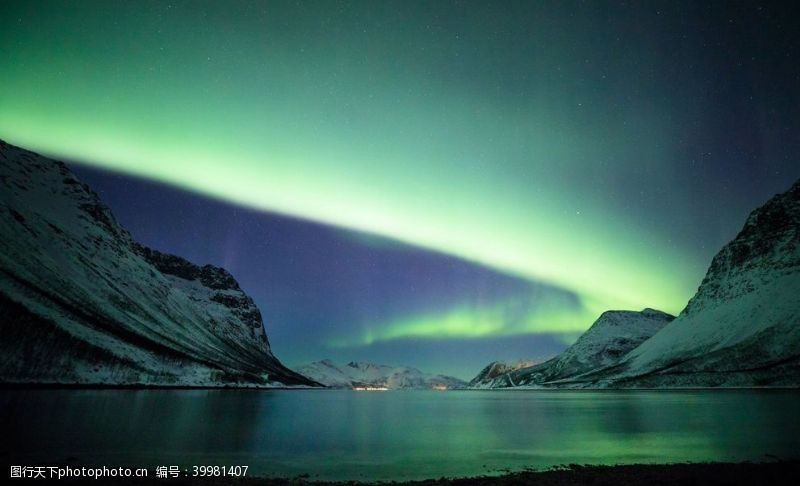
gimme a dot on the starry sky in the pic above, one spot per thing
(436, 184)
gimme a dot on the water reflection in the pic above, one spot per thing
(393, 435)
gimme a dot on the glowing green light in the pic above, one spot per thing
(516, 187)
(501, 319)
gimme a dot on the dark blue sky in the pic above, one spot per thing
(317, 284)
(607, 148)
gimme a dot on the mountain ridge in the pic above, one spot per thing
(607, 340)
(741, 327)
(365, 374)
(744, 318)
(86, 304)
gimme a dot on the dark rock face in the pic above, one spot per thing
(82, 303)
(216, 278)
(495, 374)
(768, 246)
(490, 372)
(210, 276)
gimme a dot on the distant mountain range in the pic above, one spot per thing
(742, 327)
(82, 303)
(370, 375)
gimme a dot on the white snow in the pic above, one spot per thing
(608, 340)
(358, 373)
(65, 259)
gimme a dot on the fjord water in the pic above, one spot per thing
(394, 435)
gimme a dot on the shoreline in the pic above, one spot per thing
(775, 472)
(121, 386)
(104, 386)
(81, 386)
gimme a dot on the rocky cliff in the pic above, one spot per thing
(613, 335)
(742, 327)
(82, 303)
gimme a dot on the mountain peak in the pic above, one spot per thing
(613, 335)
(359, 374)
(742, 327)
(100, 308)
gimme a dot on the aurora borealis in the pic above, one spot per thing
(531, 163)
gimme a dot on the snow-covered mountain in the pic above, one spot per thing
(742, 327)
(495, 369)
(360, 374)
(610, 338)
(82, 303)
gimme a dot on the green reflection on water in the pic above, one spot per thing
(394, 435)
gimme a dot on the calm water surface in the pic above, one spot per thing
(393, 435)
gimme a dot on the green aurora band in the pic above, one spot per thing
(501, 319)
(384, 129)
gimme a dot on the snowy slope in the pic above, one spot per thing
(81, 302)
(610, 338)
(368, 374)
(742, 327)
(495, 369)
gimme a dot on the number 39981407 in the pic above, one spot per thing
(214, 471)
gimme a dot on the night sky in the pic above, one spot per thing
(435, 184)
